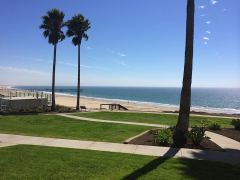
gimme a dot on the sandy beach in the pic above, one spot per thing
(94, 104)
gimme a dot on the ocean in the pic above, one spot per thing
(220, 100)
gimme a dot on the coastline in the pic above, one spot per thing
(93, 104)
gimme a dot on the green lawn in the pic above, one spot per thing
(61, 127)
(151, 118)
(36, 162)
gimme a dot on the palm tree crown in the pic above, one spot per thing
(52, 25)
(77, 28)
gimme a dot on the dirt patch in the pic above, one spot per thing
(229, 132)
(147, 139)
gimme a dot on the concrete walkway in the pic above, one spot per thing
(229, 156)
(222, 141)
(109, 121)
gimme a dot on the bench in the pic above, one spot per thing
(83, 108)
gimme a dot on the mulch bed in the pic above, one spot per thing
(229, 132)
(147, 139)
(208, 114)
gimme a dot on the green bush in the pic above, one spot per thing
(214, 126)
(64, 109)
(236, 123)
(196, 134)
(172, 128)
(205, 122)
(162, 136)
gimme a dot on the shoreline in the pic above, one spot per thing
(136, 106)
(93, 103)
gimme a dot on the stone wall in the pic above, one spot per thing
(24, 104)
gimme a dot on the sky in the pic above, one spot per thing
(131, 43)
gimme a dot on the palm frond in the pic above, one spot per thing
(52, 24)
(70, 33)
(46, 33)
(76, 40)
(85, 36)
(77, 28)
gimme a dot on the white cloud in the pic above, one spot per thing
(38, 59)
(213, 2)
(81, 65)
(206, 38)
(224, 10)
(93, 67)
(208, 32)
(122, 55)
(208, 22)
(206, 43)
(23, 76)
(88, 48)
(30, 59)
(22, 70)
(67, 64)
(122, 63)
(201, 7)
(116, 53)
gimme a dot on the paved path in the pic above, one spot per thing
(229, 157)
(222, 141)
(6, 144)
(109, 121)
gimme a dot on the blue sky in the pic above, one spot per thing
(131, 43)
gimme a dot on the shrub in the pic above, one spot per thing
(214, 126)
(236, 123)
(162, 136)
(64, 109)
(196, 134)
(204, 123)
(172, 128)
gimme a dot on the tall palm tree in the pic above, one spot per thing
(52, 24)
(77, 28)
(185, 102)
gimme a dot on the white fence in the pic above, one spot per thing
(6, 92)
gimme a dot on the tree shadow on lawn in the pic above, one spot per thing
(152, 165)
(214, 168)
(198, 169)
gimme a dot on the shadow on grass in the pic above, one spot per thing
(152, 165)
(220, 165)
(231, 156)
(19, 113)
(199, 169)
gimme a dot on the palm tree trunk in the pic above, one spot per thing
(78, 85)
(53, 108)
(185, 102)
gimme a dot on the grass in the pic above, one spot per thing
(36, 162)
(166, 119)
(61, 127)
